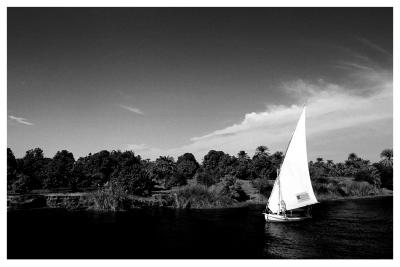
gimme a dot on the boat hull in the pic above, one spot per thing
(280, 218)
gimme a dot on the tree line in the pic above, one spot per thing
(141, 176)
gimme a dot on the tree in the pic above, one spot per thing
(187, 166)
(79, 177)
(99, 167)
(135, 180)
(124, 161)
(60, 170)
(34, 165)
(11, 168)
(369, 174)
(243, 155)
(316, 170)
(218, 164)
(164, 171)
(262, 150)
(387, 157)
(232, 188)
(23, 184)
(243, 167)
(204, 177)
(385, 168)
(263, 186)
(354, 163)
(262, 164)
(276, 160)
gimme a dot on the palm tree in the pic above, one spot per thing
(242, 155)
(387, 155)
(352, 157)
(262, 150)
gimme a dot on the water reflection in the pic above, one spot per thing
(289, 240)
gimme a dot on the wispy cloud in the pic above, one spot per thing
(20, 120)
(340, 114)
(132, 109)
(374, 46)
(353, 66)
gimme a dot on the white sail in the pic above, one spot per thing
(293, 186)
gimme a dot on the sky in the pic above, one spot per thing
(166, 81)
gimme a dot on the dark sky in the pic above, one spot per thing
(152, 79)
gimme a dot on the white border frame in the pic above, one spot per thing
(184, 263)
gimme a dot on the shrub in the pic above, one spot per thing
(204, 177)
(199, 196)
(361, 189)
(111, 197)
(263, 185)
(175, 180)
(333, 188)
(369, 174)
(22, 185)
(232, 188)
(135, 181)
(386, 174)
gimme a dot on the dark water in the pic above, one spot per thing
(339, 229)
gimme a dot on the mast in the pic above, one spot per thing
(279, 190)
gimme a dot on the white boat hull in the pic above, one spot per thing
(281, 218)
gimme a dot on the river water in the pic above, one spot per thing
(350, 229)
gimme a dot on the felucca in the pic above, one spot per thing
(292, 195)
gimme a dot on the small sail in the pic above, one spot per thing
(294, 183)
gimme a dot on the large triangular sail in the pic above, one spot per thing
(292, 188)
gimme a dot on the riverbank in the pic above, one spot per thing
(383, 193)
(85, 201)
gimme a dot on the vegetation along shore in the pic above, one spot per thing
(113, 181)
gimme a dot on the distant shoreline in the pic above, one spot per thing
(387, 193)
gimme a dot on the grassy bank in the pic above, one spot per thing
(192, 196)
(199, 196)
(345, 188)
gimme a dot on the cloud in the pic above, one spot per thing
(341, 118)
(374, 46)
(330, 107)
(132, 109)
(20, 120)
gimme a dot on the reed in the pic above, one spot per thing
(331, 188)
(110, 198)
(200, 196)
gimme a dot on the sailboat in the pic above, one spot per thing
(292, 195)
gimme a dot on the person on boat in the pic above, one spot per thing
(283, 208)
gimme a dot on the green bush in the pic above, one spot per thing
(263, 185)
(200, 196)
(205, 177)
(111, 197)
(334, 188)
(135, 181)
(386, 174)
(369, 174)
(232, 188)
(22, 185)
(361, 189)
